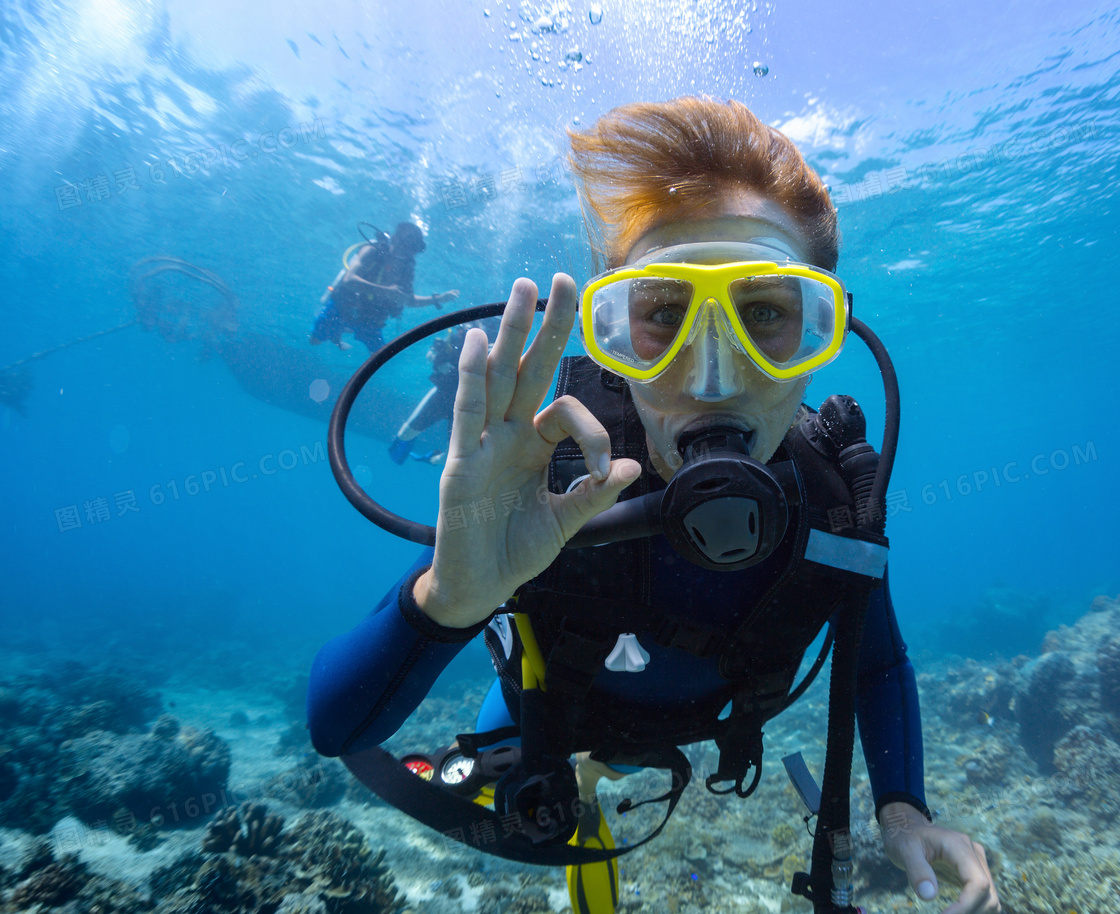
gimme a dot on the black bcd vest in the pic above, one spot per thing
(588, 597)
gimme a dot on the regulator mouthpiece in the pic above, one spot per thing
(723, 510)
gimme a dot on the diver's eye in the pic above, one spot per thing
(659, 303)
(762, 314)
(666, 317)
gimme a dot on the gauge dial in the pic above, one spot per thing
(420, 766)
(456, 769)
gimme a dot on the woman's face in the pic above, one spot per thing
(697, 390)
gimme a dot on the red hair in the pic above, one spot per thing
(647, 164)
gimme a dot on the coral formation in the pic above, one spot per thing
(50, 886)
(1043, 706)
(150, 776)
(522, 899)
(38, 714)
(1088, 763)
(248, 829)
(976, 693)
(166, 727)
(322, 864)
(987, 765)
(314, 784)
(1108, 665)
(66, 884)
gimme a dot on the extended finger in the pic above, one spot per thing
(502, 365)
(539, 364)
(469, 417)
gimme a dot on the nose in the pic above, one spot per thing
(717, 367)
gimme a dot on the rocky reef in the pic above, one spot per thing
(76, 742)
(321, 864)
(1024, 756)
(248, 863)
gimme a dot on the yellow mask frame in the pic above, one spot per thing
(712, 282)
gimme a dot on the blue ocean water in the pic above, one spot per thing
(168, 505)
(971, 154)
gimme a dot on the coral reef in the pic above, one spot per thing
(525, 898)
(50, 886)
(247, 830)
(38, 714)
(1045, 705)
(331, 847)
(1088, 763)
(322, 864)
(314, 784)
(66, 885)
(1108, 665)
(975, 693)
(1047, 819)
(149, 776)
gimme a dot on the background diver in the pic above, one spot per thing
(374, 285)
(718, 304)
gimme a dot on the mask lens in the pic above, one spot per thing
(790, 319)
(637, 320)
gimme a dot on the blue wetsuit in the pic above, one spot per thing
(364, 684)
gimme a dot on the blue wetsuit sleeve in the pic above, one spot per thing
(364, 684)
(890, 721)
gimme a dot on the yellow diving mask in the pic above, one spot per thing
(788, 318)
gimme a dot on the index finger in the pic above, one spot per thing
(538, 365)
(503, 363)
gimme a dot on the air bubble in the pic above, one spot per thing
(760, 69)
(595, 14)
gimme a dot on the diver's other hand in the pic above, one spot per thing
(498, 525)
(917, 847)
(441, 298)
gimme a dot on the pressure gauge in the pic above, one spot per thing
(419, 765)
(456, 771)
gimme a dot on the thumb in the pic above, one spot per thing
(921, 876)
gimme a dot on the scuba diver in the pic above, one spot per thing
(680, 448)
(372, 287)
(438, 402)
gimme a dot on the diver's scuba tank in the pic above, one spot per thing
(334, 284)
(381, 241)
